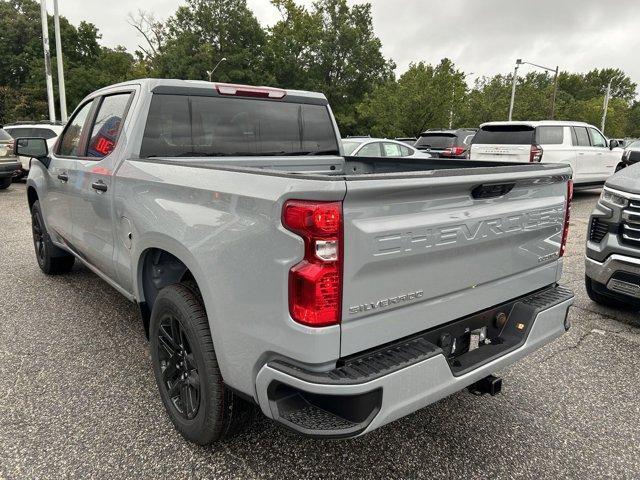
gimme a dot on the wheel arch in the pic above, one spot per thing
(32, 196)
(159, 264)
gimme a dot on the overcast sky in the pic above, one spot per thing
(483, 37)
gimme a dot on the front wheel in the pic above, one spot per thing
(4, 183)
(51, 259)
(186, 369)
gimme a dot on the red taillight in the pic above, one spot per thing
(249, 91)
(453, 152)
(567, 214)
(536, 153)
(315, 284)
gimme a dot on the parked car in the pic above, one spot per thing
(446, 143)
(407, 140)
(379, 147)
(612, 272)
(9, 165)
(336, 293)
(46, 130)
(631, 155)
(592, 157)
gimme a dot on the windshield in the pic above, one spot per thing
(505, 135)
(436, 140)
(198, 126)
(4, 135)
(349, 147)
(634, 145)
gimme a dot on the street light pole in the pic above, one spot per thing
(210, 72)
(47, 60)
(605, 107)
(555, 94)
(513, 88)
(555, 85)
(61, 89)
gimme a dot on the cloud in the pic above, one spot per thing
(484, 37)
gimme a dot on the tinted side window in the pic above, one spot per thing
(70, 143)
(550, 135)
(107, 125)
(582, 136)
(214, 126)
(370, 150)
(598, 139)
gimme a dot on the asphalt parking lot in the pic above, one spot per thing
(78, 398)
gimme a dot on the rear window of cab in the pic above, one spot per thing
(201, 126)
(520, 135)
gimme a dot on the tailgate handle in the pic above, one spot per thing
(492, 190)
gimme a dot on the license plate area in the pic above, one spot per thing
(470, 342)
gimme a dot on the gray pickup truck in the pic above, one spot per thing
(336, 293)
(612, 270)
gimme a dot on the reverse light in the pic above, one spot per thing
(249, 91)
(567, 214)
(315, 284)
(536, 153)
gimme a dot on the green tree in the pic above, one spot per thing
(423, 97)
(88, 65)
(330, 48)
(202, 32)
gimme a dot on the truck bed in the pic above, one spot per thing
(349, 168)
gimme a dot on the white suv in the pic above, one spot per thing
(592, 157)
(46, 130)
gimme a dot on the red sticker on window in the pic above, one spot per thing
(103, 146)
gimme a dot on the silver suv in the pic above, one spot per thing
(612, 272)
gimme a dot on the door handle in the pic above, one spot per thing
(580, 153)
(99, 186)
(63, 177)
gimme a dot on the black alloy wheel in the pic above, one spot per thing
(38, 238)
(179, 368)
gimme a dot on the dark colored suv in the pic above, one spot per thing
(9, 165)
(446, 143)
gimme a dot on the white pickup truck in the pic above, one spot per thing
(336, 293)
(591, 156)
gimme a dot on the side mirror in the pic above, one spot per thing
(613, 144)
(32, 147)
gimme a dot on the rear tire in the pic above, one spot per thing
(603, 299)
(51, 259)
(199, 404)
(4, 183)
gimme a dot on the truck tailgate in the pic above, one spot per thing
(423, 251)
